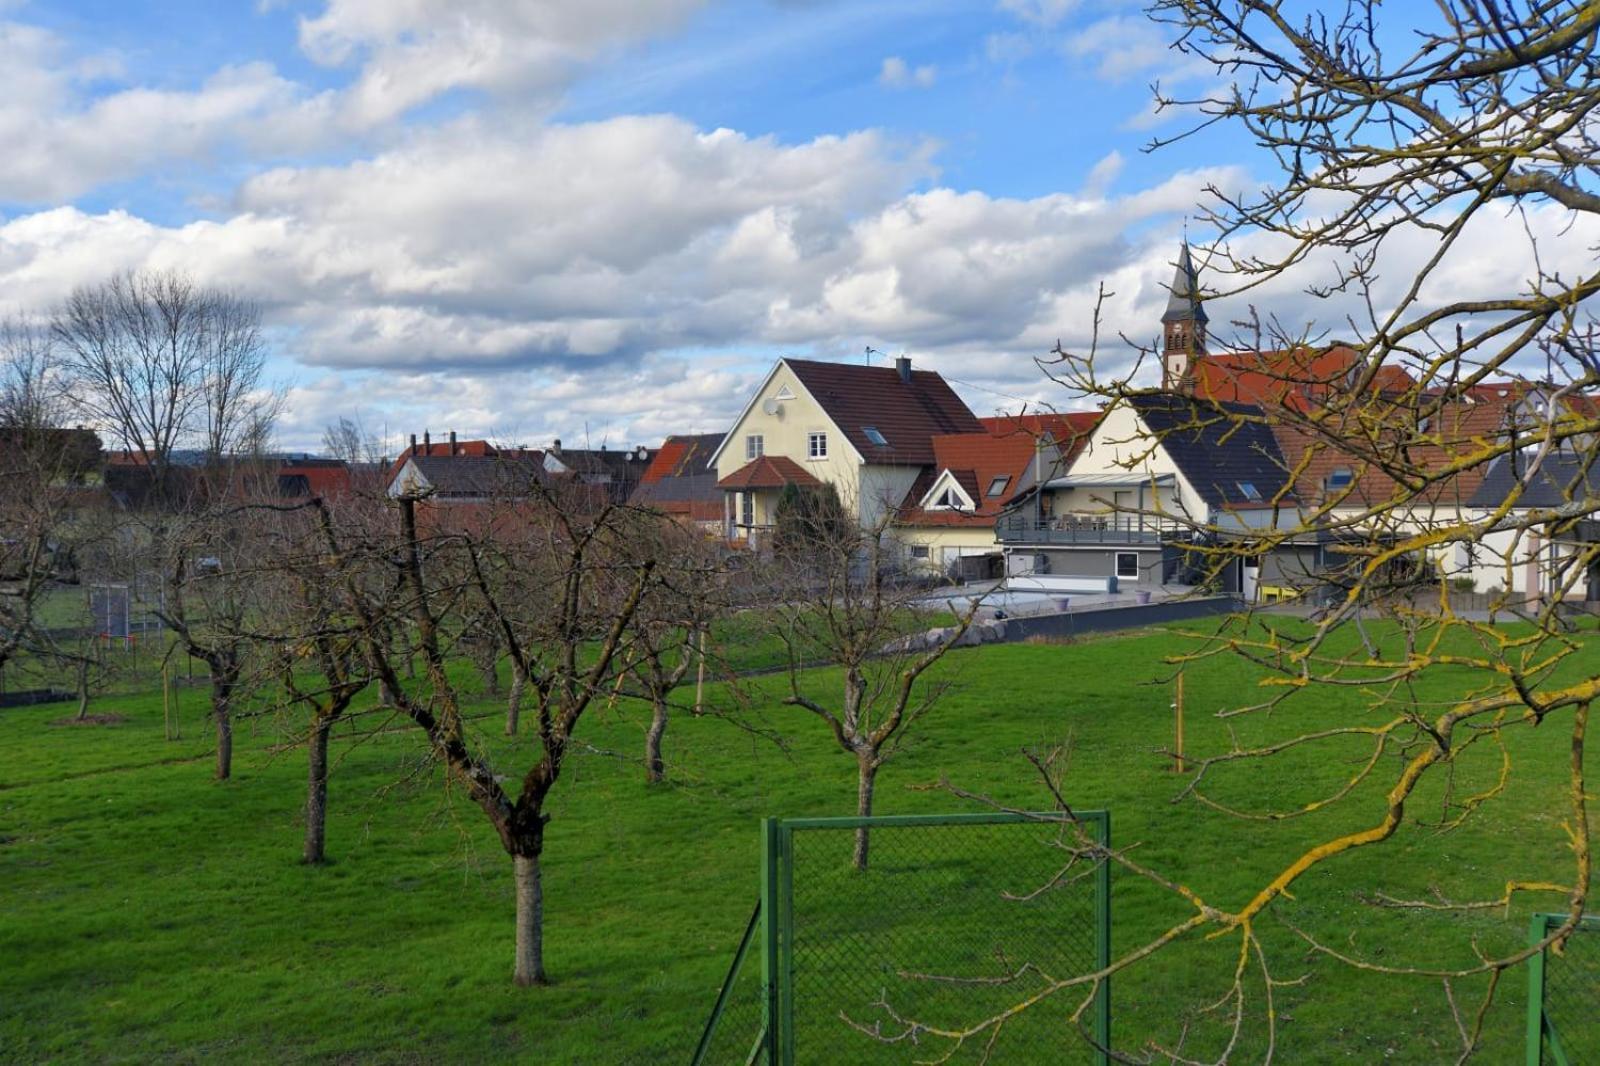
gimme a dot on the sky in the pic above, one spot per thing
(602, 220)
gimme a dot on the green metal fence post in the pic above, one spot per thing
(786, 945)
(1102, 893)
(770, 920)
(1536, 930)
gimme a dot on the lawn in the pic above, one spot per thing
(147, 911)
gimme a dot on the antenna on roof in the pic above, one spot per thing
(871, 351)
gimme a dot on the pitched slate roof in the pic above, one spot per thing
(1223, 449)
(768, 472)
(1183, 299)
(481, 476)
(907, 414)
(1564, 481)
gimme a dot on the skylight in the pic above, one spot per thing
(1249, 490)
(874, 436)
(998, 485)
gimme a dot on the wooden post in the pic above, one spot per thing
(1177, 710)
(700, 677)
(166, 702)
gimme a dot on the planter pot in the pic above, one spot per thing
(1143, 596)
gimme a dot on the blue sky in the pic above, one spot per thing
(536, 218)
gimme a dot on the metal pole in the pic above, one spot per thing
(769, 936)
(1535, 1050)
(1102, 892)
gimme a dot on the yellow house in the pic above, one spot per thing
(866, 430)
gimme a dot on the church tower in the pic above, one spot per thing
(1183, 326)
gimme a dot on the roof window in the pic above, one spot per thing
(1248, 490)
(998, 485)
(874, 436)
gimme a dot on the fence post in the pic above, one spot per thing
(1536, 930)
(785, 836)
(1102, 901)
(769, 936)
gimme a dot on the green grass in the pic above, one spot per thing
(149, 912)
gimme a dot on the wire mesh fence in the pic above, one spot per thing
(1564, 995)
(925, 953)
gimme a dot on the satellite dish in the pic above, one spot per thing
(771, 406)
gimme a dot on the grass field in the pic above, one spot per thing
(149, 912)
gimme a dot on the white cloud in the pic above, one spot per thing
(896, 73)
(62, 140)
(410, 51)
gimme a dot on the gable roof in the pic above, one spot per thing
(1223, 449)
(1565, 482)
(974, 461)
(768, 472)
(908, 414)
(479, 476)
(1293, 377)
(681, 456)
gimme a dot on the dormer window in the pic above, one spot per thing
(948, 500)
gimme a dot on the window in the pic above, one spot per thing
(1340, 477)
(919, 551)
(949, 500)
(817, 445)
(874, 436)
(1127, 564)
(998, 485)
(754, 446)
(747, 508)
(1248, 490)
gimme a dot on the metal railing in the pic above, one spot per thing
(1564, 994)
(1074, 528)
(955, 919)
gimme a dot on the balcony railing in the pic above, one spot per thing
(1114, 528)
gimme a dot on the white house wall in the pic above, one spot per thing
(1121, 445)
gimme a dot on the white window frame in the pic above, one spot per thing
(921, 552)
(747, 509)
(755, 446)
(814, 438)
(1117, 565)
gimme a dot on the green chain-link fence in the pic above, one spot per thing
(1564, 995)
(956, 921)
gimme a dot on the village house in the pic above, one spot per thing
(867, 431)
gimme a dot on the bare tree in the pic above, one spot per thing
(839, 601)
(565, 642)
(160, 361)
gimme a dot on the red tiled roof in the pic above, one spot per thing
(907, 414)
(768, 472)
(681, 456)
(1294, 377)
(1005, 448)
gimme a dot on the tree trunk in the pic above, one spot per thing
(316, 792)
(530, 921)
(866, 779)
(83, 688)
(519, 681)
(655, 769)
(489, 669)
(221, 697)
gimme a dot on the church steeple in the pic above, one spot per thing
(1183, 326)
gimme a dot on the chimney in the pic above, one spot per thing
(555, 446)
(413, 444)
(427, 445)
(902, 364)
(452, 442)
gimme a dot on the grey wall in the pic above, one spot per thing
(1102, 562)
